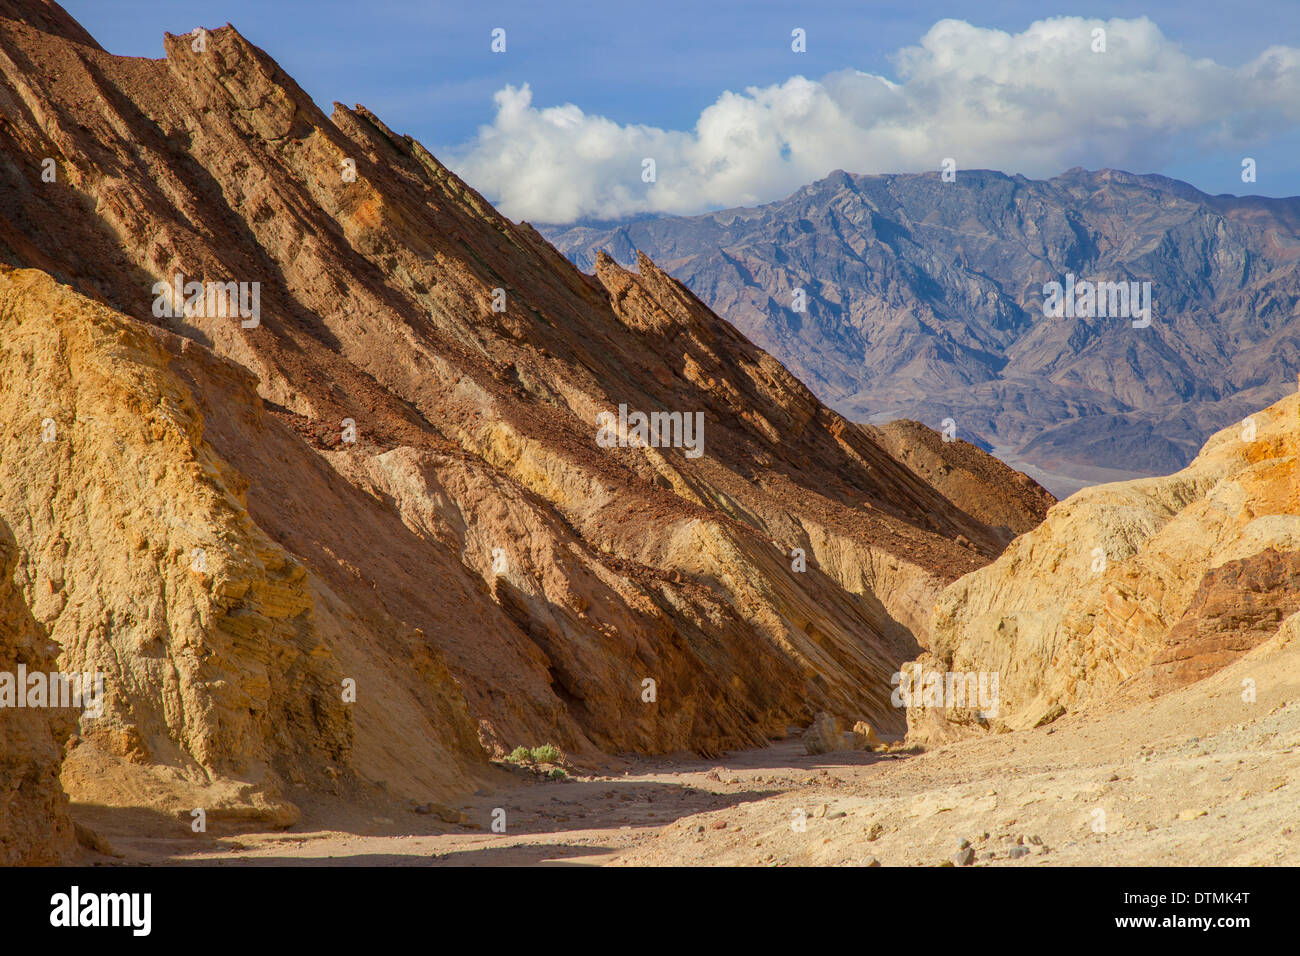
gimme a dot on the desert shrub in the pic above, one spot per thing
(547, 753)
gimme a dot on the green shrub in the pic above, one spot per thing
(547, 753)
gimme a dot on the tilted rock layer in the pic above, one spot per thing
(365, 535)
(1137, 587)
(998, 495)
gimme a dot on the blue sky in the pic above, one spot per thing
(427, 70)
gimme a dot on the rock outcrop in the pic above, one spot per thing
(980, 484)
(1135, 588)
(223, 656)
(35, 827)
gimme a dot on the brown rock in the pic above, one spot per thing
(866, 737)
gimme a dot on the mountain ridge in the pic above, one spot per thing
(924, 300)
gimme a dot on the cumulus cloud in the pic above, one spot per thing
(1035, 102)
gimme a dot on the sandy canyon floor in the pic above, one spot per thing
(1200, 776)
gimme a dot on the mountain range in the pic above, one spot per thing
(909, 296)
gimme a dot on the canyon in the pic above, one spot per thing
(342, 559)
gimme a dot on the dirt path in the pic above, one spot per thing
(1200, 776)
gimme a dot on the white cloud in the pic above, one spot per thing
(1035, 102)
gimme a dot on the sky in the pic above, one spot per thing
(559, 126)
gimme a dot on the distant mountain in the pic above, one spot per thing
(924, 300)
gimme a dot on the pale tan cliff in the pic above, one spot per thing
(223, 655)
(1133, 588)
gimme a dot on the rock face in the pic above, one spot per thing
(924, 301)
(223, 655)
(986, 488)
(35, 827)
(364, 531)
(1137, 587)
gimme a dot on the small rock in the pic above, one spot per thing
(445, 813)
(1055, 713)
(964, 858)
(92, 840)
(865, 736)
(824, 735)
(1018, 851)
(871, 861)
(963, 844)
